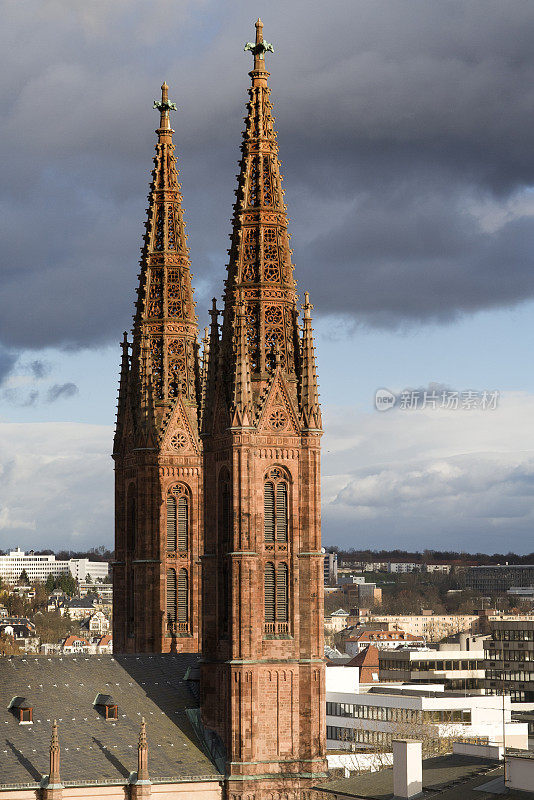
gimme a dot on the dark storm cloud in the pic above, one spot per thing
(406, 132)
(61, 391)
(7, 362)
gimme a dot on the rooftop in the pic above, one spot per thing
(452, 777)
(94, 749)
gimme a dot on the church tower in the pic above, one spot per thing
(262, 673)
(157, 449)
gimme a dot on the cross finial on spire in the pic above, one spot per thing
(164, 107)
(259, 48)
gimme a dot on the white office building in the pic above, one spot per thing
(363, 720)
(39, 567)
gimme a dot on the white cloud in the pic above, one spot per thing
(431, 479)
(56, 485)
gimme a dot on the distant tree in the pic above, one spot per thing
(66, 583)
(50, 584)
(8, 647)
(23, 579)
(88, 578)
(51, 627)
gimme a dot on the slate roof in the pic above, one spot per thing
(451, 777)
(93, 749)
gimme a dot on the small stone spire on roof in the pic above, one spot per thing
(142, 754)
(54, 777)
(309, 394)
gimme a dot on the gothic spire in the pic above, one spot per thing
(165, 317)
(142, 754)
(260, 267)
(309, 395)
(54, 777)
(242, 399)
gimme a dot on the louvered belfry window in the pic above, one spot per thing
(270, 592)
(171, 596)
(275, 507)
(268, 511)
(281, 512)
(177, 520)
(183, 596)
(183, 523)
(171, 524)
(281, 593)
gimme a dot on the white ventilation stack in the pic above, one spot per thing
(407, 768)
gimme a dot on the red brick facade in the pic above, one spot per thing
(157, 451)
(262, 676)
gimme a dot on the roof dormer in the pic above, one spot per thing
(21, 710)
(106, 706)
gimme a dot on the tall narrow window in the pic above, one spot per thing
(171, 524)
(183, 597)
(178, 514)
(224, 535)
(270, 593)
(275, 507)
(183, 523)
(268, 512)
(171, 597)
(281, 512)
(130, 603)
(130, 521)
(281, 593)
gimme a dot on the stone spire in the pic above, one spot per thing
(260, 269)
(142, 754)
(309, 395)
(242, 399)
(52, 788)
(211, 369)
(123, 390)
(54, 777)
(165, 320)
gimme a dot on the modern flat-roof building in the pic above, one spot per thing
(373, 719)
(39, 567)
(509, 659)
(384, 640)
(498, 578)
(456, 669)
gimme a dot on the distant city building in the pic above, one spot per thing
(455, 669)
(383, 640)
(39, 567)
(510, 659)
(361, 720)
(330, 569)
(433, 627)
(337, 620)
(368, 663)
(498, 578)
(78, 608)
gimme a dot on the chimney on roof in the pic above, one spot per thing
(407, 768)
(140, 781)
(52, 786)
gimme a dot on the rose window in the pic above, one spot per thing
(178, 441)
(278, 419)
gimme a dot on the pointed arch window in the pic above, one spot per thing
(276, 599)
(183, 599)
(171, 599)
(270, 593)
(178, 515)
(281, 593)
(130, 521)
(275, 507)
(224, 535)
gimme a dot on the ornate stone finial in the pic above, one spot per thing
(164, 107)
(307, 307)
(214, 311)
(54, 778)
(259, 48)
(142, 753)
